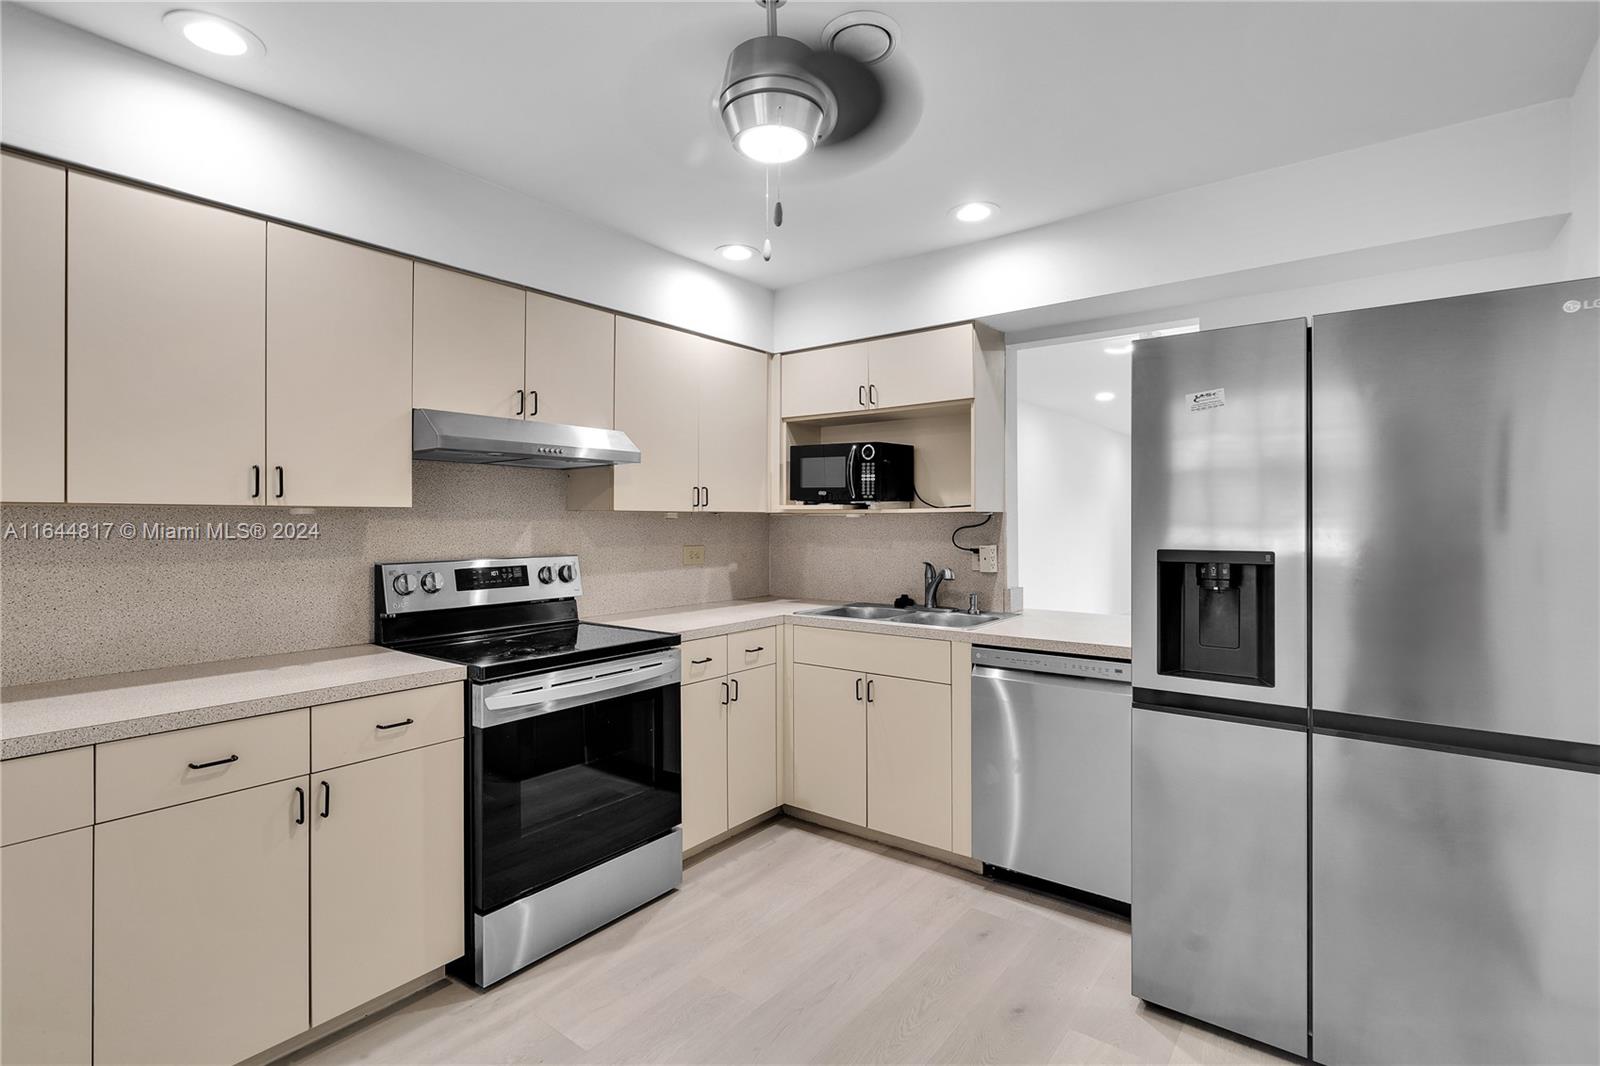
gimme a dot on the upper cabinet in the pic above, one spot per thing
(697, 409)
(933, 366)
(166, 349)
(467, 344)
(570, 362)
(338, 373)
(33, 338)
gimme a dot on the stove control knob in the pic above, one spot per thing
(567, 572)
(545, 576)
(430, 582)
(403, 585)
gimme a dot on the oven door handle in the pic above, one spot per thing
(512, 701)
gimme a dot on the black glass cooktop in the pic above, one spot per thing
(510, 653)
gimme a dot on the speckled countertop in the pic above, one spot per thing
(92, 710)
(1066, 632)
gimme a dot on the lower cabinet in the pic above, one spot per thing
(908, 759)
(830, 742)
(46, 923)
(386, 878)
(200, 928)
(730, 752)
(705, 760)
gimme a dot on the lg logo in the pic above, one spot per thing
(1580, 305)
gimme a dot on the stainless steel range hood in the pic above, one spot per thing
(454, 437)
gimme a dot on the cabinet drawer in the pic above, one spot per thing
(746, 651)
(146, 773)
(874, 653)
(366, 728)
(707, 657)
(44, 794)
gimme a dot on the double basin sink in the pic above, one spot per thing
(943, 617)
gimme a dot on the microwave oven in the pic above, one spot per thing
(867, 472)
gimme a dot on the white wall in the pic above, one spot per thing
(76, 97)
(1579, 245)
(1470, 190)
(1073, 513)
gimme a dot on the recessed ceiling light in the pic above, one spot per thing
(215, 35)
(976, 211)
(737, 253)
(1104, 397)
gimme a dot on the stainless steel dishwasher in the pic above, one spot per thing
(1051, 756)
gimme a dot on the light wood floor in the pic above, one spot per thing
(795, 944)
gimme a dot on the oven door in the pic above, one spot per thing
(570, 768)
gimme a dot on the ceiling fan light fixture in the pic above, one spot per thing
(774, 110)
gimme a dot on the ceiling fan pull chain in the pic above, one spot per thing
(766, 221)
(777, 208)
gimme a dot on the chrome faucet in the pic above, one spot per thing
(932, 578)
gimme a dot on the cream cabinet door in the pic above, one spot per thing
(467, 338)
(825, 381)
(570, 362)
(830, 742)
(387, 900)
(753, 744)
(46, 924)
(166, 326)
(658, 406)
(733, 427)
(908, 759)
(338, 373)
(200, 928)
(33, 334)
(705, 760)
(932, 366)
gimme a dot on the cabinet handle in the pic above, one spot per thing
(397, 725)
(872, 395)
(858, 690)
(724, 693)
(700, 662)
(300, 794)
(327, 798)
(705, 496)
(861, 395)
(213, 762)
(279, 469)
(521, 401)
(533, 394)
(735, 682)
(752, 651)
(255, 482)
(869, 690)
(694, 494)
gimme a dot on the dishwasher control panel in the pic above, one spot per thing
(1049, 663)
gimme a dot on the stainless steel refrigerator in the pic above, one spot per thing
(1448, 750)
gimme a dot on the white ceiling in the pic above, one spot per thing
(1049, 109)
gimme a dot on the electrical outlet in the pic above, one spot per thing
(988, 558)
(694, 555)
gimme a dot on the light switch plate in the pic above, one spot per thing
(694, 555)
(988, 558)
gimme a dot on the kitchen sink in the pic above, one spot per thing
(873, 611)
(946, 619)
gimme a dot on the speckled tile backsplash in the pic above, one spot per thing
(70, 608)
(877, 557)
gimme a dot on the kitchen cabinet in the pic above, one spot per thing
(570, 357)
(908, 759)
(46, 923)
(467, 344)
(705, 760)
(829, 740)
(338, 373)
(201, 928)
(697, 410)
(752, 744)
(386, 884)
(907, 370)
(166, 341)
(33, 336)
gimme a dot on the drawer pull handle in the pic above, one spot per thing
(300, 794)
(213, 762)
(752, 651)
(700, 662)
(327, 798)
(397, 725)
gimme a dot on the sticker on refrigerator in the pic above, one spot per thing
(1205, 401)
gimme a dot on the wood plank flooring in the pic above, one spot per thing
(796, 944)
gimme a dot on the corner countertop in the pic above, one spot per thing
(54, 715)
(1064, 632)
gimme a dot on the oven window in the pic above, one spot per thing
(823, 472)
(561, 792)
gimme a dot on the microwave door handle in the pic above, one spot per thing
(850, 487)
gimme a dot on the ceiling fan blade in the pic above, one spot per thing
(856, 89)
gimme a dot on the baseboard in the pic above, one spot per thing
(964, 862)
(334, 1026)
(728, 834)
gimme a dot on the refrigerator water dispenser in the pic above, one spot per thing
(1215, 615)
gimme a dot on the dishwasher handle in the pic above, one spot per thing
(1030, 677)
